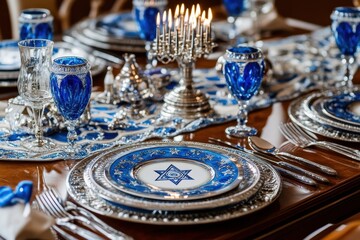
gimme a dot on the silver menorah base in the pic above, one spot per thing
(186, 103)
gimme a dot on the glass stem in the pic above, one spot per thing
(348, 61)
(242, 116)
(256, 28)
(72, 135)
(232, 31)
(38, 112)
(151, 60)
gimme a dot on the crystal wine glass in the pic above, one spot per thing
(71, 84)
(346, 30)
(33, 85)
(257, 8)
(234, 8)
(244, 70)
(145, 12)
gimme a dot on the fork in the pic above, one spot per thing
(47, 208)
(299, 137)
(85, 216)
(53, 200)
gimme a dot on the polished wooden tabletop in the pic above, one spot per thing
(299, 210)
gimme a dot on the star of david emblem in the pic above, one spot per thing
(173, 174)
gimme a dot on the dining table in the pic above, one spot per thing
(298, 211)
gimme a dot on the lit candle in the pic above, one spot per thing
(164, 27)
(210, 16)
(206, 25)
(186, 21)
(182, 11)
(198, 17)
(157, 32)
(191, 21)
(177, 22)
(202, 29)
(170, 27)
(193, 27)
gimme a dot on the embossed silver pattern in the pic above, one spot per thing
(266, 195)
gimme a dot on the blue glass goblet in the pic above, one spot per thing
(145, 12)
(71, 84)
(244, 70)
(36, 23)
(234, 8)
(346, 30)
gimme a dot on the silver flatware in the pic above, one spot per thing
(299, 137)
(264, 146)
(86, 217)
(278, 165)
(63, 222)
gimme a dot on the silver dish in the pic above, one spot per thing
(314, 108)
(298, 116)
(266, 195)
(95, 181)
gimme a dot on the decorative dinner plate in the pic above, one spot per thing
(314, 108)
(118, 25)
(344, 108)
(89, 199)
(179, 172)
(9, 55)
(251, 181)
(298, 116)
(10, 60)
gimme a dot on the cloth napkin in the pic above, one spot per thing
(17, 220)
(14, 225)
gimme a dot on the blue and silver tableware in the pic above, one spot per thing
(346, 30)
(36, 23)
(244, 70)
(71, 84)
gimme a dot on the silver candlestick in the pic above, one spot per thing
(186, 40)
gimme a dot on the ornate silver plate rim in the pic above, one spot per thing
(97, 183)
(223, 175)
(266, 195)
(298, 116)
(314, 109)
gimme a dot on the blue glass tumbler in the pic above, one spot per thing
(234, 9)
(145, 12)
(346, 30)
(71, 84)
(243, 70)
(36, 23)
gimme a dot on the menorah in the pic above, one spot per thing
(184, 37)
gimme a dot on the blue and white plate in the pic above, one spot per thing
(344, 107)
(251, 180)
(9, 56)
(118, 25)
(173, 172)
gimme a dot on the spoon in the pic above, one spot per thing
(264, 146)
(284, 168)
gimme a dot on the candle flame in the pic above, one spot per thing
(170, 19)
(198, 10)
(158, 19)
(210, 15)
(203, 16)
(177, 22)
(192, 10)
(192, 16)
(186, 19)
(194, 23)
(176, 11)
(182, 9)
(164, 17)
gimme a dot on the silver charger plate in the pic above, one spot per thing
(251, 181)
(314, 108)
(266, 195)
(298, 116)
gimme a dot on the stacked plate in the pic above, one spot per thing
(10, 60)
(116, 32)
(173, 183)
(333, 113)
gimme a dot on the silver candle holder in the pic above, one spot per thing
(184, 38)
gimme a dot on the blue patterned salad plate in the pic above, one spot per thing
(344, 107)
(178, 172)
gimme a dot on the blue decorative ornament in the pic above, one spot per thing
(22, 194)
